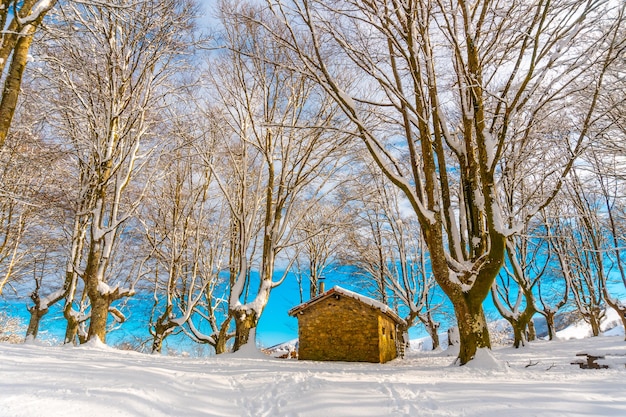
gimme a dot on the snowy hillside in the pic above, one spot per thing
(98, 381)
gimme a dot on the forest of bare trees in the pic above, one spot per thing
(200, 154)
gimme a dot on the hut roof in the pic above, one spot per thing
(336, 290)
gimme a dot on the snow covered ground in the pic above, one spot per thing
(98, 381)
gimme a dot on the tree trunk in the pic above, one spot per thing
(519, 333)
(98, 318)
(313, 290)
(532, 333)
(40, 308)
(435, 337)
(71, 331)
(245, 321)
(522, 327)
(73, 322)
(549, 315)
(35, 318)
(220, 345)
(432, 327)
(13, 82)
(157, 342)
(473, 331)
(99, 303)
(161, 331)
(222, 337)
(594, 320)
(162, 328)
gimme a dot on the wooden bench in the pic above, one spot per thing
(590, 362)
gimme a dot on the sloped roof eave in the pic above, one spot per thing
(384, 309)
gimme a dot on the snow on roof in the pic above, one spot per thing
(347, 293)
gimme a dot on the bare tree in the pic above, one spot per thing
(444, 88)
(322, 233)
(553, 288)
(30, 193)
(607, 163)
(275, 161)
(595, 256)
(108, 87)
(186, 226)
(580, 246)
(44, 266)
(612, 193)
(16, 179)
(513, 291)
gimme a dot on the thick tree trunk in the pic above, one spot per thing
(220, 346)
(435, 337)
(13, 81)
(162, 330)
(98, 318)
(41, 307)
(468, 291)
(519, 333)
(99, 302)
(245, 321)
(157, 342)
(473, 331)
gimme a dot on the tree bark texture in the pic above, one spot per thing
(16, 43)
(245, 321)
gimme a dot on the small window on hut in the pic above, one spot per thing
(383, 331)
(391, 335)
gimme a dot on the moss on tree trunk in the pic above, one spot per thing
(473, 331)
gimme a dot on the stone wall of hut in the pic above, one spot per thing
(341, 328)
(387, 343)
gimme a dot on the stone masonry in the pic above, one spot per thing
(338, 327)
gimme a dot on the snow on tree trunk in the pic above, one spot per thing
(245, 324)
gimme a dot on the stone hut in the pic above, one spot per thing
(341, 325)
